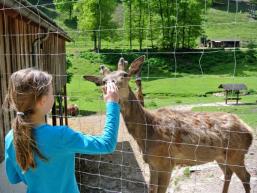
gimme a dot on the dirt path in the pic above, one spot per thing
(125, 171)
(189, 107)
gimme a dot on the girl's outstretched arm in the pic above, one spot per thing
(77, 142)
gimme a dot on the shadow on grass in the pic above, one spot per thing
(164, 64)
(117, 172)
(86, 112)
(233, 103)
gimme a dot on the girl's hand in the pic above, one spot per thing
(110, 92)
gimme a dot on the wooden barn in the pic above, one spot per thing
(29, 38)
(223, 43)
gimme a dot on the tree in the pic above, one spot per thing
(65, 6)
(129, 22)
(96, 16)
(190, 12)
(170, 23)
(136, 14)
(45, 6)
(130, 25)
(166, 23)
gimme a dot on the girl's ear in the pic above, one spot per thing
(41, 102)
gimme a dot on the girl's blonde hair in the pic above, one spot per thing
(26, 88)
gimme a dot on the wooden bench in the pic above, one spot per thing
(232, 91)
(232, 98)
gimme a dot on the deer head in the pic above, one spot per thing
(120, 77)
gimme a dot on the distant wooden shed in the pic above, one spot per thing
(28, 38)
(223, 43)
(232, 91)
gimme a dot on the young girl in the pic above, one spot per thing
(43, 156)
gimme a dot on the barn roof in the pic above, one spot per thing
(27, 10)
(233, 86)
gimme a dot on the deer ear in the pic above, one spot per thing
(97, 80)
(136, 65)
(122, 64)
(104, 70)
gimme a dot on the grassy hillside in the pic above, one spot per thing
(221, 22)
(162, 86)
(232, 23)
(188, 77)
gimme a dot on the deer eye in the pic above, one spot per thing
(125, 75)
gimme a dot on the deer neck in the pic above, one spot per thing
(136, 118)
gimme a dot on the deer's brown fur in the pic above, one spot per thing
(167, 137)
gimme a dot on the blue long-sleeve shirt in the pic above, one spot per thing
(59, 145)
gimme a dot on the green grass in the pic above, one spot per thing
(171, 89)
(190, 79)
(83, 93)
(191, 89)
(218, 24)
(221, 24)
(188, 89)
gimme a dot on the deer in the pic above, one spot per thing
(73, 110)
(168, 137)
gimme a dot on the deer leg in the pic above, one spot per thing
(153, 187)
(163, 181)
(244, 176)
(227, 177)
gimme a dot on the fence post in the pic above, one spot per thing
(1, 137)
(60, 113)
(54, 113)
(65, 105)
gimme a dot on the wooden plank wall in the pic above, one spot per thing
(5, 70)
(16, 42)
(2, 87)
(54, 60)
